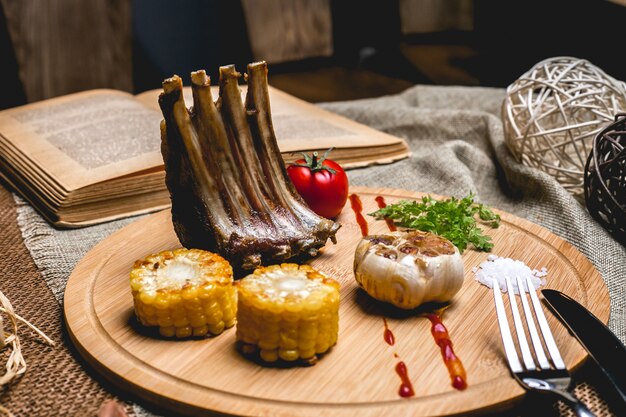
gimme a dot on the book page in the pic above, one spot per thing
(86, 137)
(301, 126)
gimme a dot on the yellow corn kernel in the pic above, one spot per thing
(164, 322)
(201, 331)
(307, 352)
(288, 354)
(269, 355)
(216, 328)
(167, 331)
(185, 292)
(183, 331)
(287, 312)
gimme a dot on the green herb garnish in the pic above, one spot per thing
(453, 219)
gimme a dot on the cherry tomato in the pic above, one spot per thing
(322, 183)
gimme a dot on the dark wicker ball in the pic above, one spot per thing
(605, 179)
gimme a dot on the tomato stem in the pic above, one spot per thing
(315, 164)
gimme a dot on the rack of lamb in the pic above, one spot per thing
(227, 180)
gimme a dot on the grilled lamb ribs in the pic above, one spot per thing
(228, 184)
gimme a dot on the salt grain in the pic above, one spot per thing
(497, 268)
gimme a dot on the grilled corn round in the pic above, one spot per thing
(287, 312)
(185, 292)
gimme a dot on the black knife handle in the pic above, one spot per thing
(601, 344)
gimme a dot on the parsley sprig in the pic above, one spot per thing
(453, 219)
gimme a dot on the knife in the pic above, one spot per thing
(601, 344)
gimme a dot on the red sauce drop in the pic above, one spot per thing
(357, 207)
(453, 363)
(380, 200)
(388, 335)
(459, 383)
(406, 388)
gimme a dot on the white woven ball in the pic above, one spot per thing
(552, 113)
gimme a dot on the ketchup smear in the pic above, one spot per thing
(388, 335)
(357, 207)
(380, 200)
(453, 363)
(406, 388)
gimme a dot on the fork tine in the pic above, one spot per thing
(519, 328)
(532, 329)
(505, 332)
(545, 329)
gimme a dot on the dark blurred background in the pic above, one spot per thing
(319, 50)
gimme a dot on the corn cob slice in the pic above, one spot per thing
(287, 312)
(185, 292)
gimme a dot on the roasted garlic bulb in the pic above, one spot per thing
(407, 269)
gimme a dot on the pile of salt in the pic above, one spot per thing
(497, 268)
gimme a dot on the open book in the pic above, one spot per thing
(95, 156)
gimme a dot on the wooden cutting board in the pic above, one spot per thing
(357, 377)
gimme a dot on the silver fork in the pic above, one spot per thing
(545, 378)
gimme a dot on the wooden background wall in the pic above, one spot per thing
(289, 30)
(64, 46)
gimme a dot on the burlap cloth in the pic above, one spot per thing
(456, 137)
